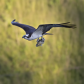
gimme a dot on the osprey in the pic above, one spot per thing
(32, 33)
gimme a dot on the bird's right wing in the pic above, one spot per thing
(42, 29)
(26, 28)
(38, 31)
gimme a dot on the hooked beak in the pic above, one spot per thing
(23, 36)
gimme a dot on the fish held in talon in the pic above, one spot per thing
(40, 42)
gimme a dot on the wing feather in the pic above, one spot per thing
(26, 28)
(46, 27)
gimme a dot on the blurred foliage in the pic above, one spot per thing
(57, 61)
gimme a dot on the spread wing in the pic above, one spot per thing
(28, 29)
(42, 29)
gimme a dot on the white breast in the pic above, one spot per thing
(33, 36)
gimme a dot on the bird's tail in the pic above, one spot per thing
(48, 34)
(68, 25)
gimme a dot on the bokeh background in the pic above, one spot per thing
(61, 58)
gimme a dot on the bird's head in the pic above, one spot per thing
(25, 36)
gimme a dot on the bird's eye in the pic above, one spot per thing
(27, 35)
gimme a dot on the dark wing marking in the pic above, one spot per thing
(47, 27)
(28, 29)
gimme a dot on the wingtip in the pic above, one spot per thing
(13, 21)
(65, 23)
(73, 26)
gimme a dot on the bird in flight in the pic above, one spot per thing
(32, 33)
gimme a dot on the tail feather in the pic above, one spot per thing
(68, 25)
(48, 34)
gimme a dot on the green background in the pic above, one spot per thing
(61, 58)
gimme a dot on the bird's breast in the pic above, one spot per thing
(34, 36)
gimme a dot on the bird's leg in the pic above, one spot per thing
(42, 38)
(37, 39)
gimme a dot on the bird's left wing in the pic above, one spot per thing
(28, 29)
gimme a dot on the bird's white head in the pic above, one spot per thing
(25, 36)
